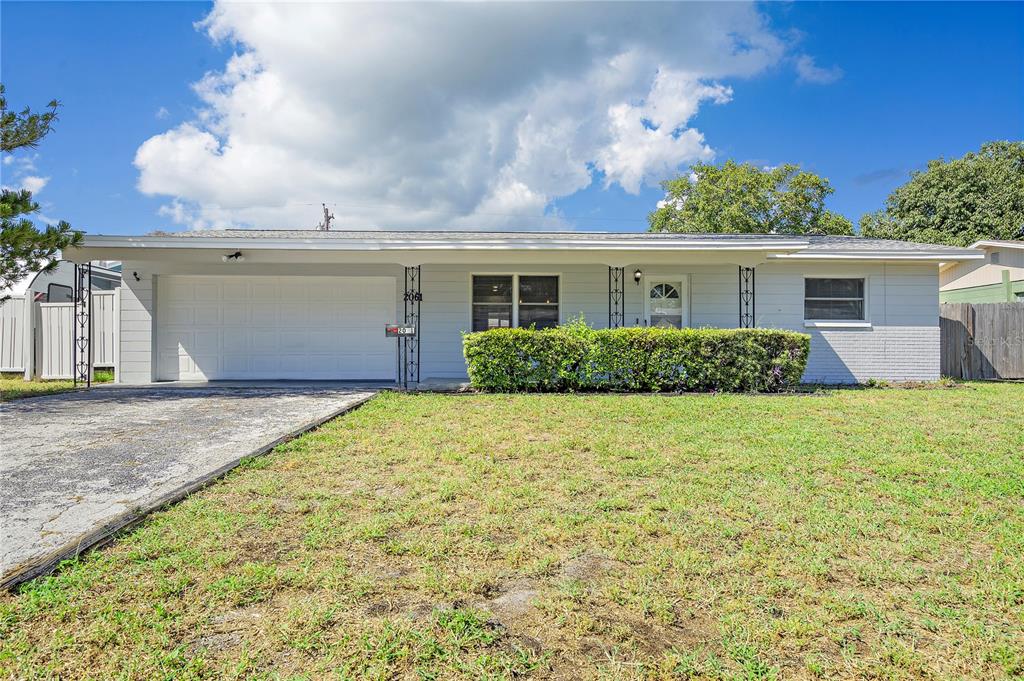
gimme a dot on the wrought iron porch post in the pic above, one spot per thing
(747, 297)
(410, 346)
(81, 327)
(616, 297)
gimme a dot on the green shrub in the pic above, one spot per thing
(638, 359)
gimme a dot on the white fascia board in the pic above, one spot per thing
(992, 243)
(927, 256)
(432, 245)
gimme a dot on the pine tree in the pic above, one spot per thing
(24, 248)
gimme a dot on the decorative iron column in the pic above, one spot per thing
(747, 295)
(81, 342)
(409, 371)
(616, 297)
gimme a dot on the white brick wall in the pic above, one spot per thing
(901, 344)
(894, 353)
(902, 306)
(137, 305)
(447, 299)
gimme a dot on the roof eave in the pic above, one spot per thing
(928, 256)
(159, 242)
(996, 243)
(774, 249)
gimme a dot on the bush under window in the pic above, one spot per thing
(640, 359)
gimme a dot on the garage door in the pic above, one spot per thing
(242, 327)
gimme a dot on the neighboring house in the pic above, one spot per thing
(999, 278)
(302, 304)
(58, 285)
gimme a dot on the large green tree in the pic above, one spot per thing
(958, 202)
(24, 248)
(742, 198)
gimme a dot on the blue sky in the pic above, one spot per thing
(909, 82)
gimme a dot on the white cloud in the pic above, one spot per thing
(649, 140)
(162, 113)
(20, 171)
(445, 115)
(809, 72)
(21, 163)
(34, 183)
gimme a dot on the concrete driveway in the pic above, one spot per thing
(76, 466)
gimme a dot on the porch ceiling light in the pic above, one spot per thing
(236, 256)
(637, 276)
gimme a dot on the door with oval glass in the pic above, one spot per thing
(666, 303)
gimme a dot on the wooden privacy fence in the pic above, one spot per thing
(982, 340)
(36, 339)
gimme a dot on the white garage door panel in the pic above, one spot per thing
(212, 328)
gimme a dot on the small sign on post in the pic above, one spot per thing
(399, 330)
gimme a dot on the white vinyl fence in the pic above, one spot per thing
(55, 334)
(15, 334)
(37, 339)
(105, 328)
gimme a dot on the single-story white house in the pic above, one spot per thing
(301, 304)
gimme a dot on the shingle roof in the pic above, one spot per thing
(824, 243)
(856, 243)
(445, 235)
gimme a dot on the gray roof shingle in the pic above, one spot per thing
(823, 243)
(856, 243)
(444, 235)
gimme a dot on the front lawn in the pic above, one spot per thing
(855, 533)
(14, 386)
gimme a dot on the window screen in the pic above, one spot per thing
(538, 301)
(834, 299)
(492, 302)
(502, 300)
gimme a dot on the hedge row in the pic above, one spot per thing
(640, 359)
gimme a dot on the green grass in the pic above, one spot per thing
(872, 533)
(14, 386)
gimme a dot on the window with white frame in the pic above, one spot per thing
(833, 299)
(504, 300)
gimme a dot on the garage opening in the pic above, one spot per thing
(263, 328)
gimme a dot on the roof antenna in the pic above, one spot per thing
(325, 226)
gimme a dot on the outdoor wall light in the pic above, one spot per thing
(637, 276)
(236, 256)
(136, 275)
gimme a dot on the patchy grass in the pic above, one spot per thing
(14, 386)
(855, 533)
(103, 375)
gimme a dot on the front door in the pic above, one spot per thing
(666, 303)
